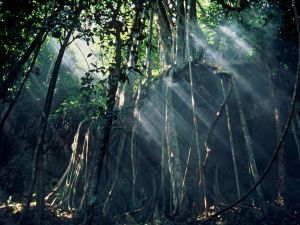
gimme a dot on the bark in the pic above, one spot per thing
(232, 147)
(165, 37)
(207, 140)
(121, 149)
(172, 150)
(18, 67)
(194, 31)
(249, 149)
(126, 89)
(133, 149)
(164, 166)
(136, 119)
(107, 122)
(148, 61)
(281, 162)
(27, 74)
(294, 130)
(136, 115)
(278, 129)
(217, 195)
(39, 152)
(127, 92)
(181, 33)
(37, 168)
(190, 52)
(183, 200)
(282, 138)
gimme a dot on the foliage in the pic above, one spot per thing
(112, 38)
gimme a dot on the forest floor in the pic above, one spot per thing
(271, 215)
(245, 215)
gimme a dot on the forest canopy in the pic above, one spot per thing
(149, 112)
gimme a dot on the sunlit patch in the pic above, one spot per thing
(121, 98)
(240, 43)
(66, 215)
(33, 204)
(15, 207)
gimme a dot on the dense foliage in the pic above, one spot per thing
(149, 111)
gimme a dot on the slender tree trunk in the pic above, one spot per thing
(248, 143)
(165, 37)
(278, 129)
(37, 168)
(133, 76)
(107, 123)
(194, 31)
(18, 67)
(296, 137)
(164, 188)
(200, 152)
(170, 151)
(120, 153)
(173, 150)
(44, 120)
(133, 138)
(181, 33)
(137, 118)
(233, 153)
(27, 74)
(126, 89)
(281, 164)
(148, 61)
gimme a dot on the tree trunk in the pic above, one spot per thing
(190, 54)
(107, 123)
(126, 89)
(194, 32)
(136, 119)
(37, 168)
(170, 153)
(133, 142)
(17, 68)
(27, 74)
(248, 143)
(148, 61)
(296, 137)
(237, 182)
(181, 33)
(165, 37)
(165, 176)
(281, 162)
(172, 149)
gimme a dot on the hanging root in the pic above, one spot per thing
(282, 137)
(71, 190)
(213, 125)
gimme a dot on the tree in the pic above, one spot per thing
(172, 102)
(38, 161)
